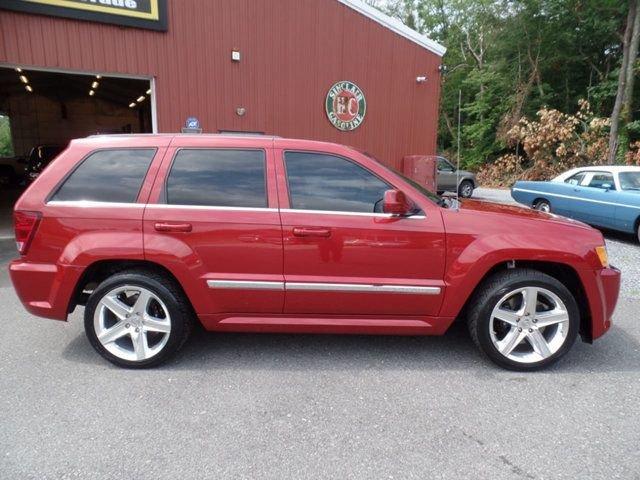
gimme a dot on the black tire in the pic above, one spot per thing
(465, 190)
(179, 308)
(489, 294)
(542, 205)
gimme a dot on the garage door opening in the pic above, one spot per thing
(41, 111)
(47, 109)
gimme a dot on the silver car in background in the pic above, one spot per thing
(449, 179)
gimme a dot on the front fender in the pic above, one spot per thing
(470, 259)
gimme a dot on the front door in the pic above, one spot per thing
(446, 176)
(342, 255)
(598, 198)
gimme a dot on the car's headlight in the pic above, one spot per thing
(603, 256)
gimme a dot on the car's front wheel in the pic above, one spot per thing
(137, 319)
(523, 319)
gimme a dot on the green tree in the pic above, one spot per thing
(509, 58)
(6, 145)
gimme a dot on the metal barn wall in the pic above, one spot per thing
(292, 52)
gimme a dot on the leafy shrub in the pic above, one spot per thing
(550, 145)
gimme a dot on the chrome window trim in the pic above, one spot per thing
(355, 214)
(92, 204)
(246, 284)
(323, 287)
(571, 197)
(208, 207)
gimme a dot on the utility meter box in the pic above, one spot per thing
(421, 169)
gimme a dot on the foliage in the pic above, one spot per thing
(632, 157)
(550, 145)
(6, 145)
(513, 58)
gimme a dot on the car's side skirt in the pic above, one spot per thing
(326, 324)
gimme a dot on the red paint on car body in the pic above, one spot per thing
(442, 251)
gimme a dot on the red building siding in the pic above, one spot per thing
(292, 52)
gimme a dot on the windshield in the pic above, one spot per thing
(422, 189)
(630, 180)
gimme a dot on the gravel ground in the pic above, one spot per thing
(303, 406)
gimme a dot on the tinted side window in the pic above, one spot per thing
(108, 176)
(320, 181)
(218, 178)
(444, 166)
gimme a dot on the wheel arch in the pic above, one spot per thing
(100, 270)
(538, 199)
(562, 272)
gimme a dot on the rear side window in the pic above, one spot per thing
(218, 178)
(319, 181)
(108, 176)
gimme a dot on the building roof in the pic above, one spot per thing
(395, 25)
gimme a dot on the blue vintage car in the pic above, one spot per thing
(607, 197)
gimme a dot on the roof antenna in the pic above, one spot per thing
(458, 155)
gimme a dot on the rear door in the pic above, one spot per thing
(214, 222)
(342, 255)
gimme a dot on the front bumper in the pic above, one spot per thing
(44, 289)
(602, 288)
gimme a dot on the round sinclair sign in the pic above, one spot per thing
(345, 105)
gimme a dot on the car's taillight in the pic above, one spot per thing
(25, 225)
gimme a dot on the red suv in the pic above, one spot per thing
(261, 234)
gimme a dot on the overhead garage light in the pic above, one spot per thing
(91, 93)
(132, 104)
(94, 85)
(28, 88)
(18, 69)
(149, 92)
(24, 79)
(140, 98)
(98, 77)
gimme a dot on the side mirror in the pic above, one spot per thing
(606, 186)
(396, 203)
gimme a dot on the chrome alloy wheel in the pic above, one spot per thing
(529, 324)
(132, 323)
(466, 190)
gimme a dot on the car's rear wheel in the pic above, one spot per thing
(137, 319)
(523, 319)
(542, 205)
(465, 190)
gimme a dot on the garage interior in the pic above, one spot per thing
(51, 108)
(48, 109)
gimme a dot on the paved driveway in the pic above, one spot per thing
(303, 406)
